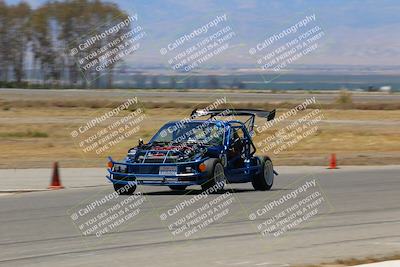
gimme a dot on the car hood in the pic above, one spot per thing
(166, 153)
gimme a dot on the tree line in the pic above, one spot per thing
(36, 42)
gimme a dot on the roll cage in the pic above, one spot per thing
(251, 113)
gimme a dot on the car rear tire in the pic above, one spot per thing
(265, 179)
(177, 187)
(122, 190)
(215, 176)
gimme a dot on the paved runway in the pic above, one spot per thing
(359, 216)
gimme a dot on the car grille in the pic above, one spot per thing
(146, 169)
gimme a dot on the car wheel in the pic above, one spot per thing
(177, 187)
(122, 189)
(215, 176)
(265, 179)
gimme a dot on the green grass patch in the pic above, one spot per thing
(33, 134)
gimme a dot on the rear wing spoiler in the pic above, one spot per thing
(269, 115)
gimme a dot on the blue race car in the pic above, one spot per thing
(208, 152)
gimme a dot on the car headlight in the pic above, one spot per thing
(119, 168)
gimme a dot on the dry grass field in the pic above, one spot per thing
(37, 133)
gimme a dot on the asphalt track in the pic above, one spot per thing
(360, 217)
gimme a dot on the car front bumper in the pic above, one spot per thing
(184, 179)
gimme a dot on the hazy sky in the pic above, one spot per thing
(356, 32)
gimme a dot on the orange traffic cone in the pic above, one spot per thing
(332, 164)
(55, 180)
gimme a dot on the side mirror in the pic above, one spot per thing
(140, 142)
(271, 115)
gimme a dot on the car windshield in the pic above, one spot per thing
(207, 133)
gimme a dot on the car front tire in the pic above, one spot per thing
(122, 190)
(177, 187)
(215, 176)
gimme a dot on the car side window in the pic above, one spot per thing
(236, 133)
(237, 139)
